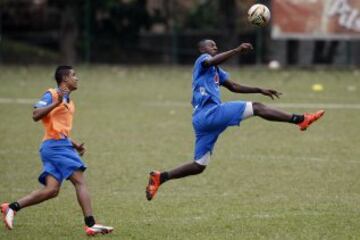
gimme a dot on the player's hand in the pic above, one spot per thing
(61, 93)
(245, 48)
(80, 148)
(271, 93)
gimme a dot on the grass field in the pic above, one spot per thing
(265, 181)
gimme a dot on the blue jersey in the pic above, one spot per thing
(206, 83)
(45, 100)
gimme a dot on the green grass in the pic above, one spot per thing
(265, 181)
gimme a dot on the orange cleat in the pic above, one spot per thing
(7, 215)
(98, 228)
(153, 185)
(309, 118)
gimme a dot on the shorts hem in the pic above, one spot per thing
(43, 176)
(198, 156)
(237, 120)
(81, 168)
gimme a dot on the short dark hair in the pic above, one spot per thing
(202, 42)
(60, 72)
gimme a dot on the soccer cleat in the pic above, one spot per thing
(153, 185)
(98, 228)
(8, 215)
(309, 118)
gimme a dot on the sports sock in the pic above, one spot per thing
(296, 118)
(89, 221)
(164, 176)
(15, 206)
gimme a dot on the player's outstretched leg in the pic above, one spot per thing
(156, 178)
(272, 114)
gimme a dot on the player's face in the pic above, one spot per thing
(211, 48)
(72, 80)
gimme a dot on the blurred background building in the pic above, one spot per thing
(302, 32)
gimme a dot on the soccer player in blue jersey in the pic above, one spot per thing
(211, 117)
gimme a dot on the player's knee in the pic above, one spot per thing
(202, 169)
(52, 192)
(199, 168)
(258, 108)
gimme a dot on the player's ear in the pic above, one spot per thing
(66, 77)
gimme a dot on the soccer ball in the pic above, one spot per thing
(274, 65)
(259, 15)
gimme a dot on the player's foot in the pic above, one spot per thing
(153, 185)
(8, 215)
(309, 118)
(98, 228)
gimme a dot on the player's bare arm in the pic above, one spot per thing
(237, 88)
(211, 48)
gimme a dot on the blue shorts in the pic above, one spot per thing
(211, 121)
(59, 159)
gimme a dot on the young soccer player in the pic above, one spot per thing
(211, 117)
(59, 153)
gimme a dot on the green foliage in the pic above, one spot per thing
(20, 52)
(203, 16)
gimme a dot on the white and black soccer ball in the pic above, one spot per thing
(259, 15)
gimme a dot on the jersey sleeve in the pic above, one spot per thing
(223, 75)
(202, 59)
(45, 100)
